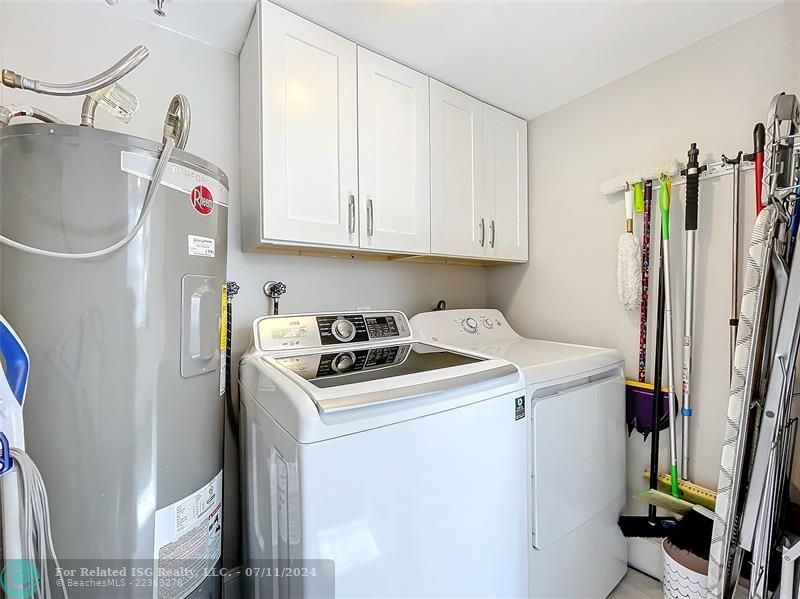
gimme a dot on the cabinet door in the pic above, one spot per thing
(506, 171)
(309, 152)
(458, 224)
(394, 155)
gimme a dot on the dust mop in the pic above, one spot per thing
(629, 267)
(653, 495)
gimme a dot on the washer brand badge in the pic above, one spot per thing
(202, 201)
(519, 408)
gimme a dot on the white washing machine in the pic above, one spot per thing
(402, 462)
(576, 415)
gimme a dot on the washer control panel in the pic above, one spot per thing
(318, 330)
(342, 328)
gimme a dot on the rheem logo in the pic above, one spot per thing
(202, 201)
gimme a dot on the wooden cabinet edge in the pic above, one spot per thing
(320, 251)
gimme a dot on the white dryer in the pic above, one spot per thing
(401, 463)
(575, 402)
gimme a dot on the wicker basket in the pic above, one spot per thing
(682, 580)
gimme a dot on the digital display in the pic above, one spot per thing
(382, 326)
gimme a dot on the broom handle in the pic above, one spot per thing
(657, 372)
(648, 197)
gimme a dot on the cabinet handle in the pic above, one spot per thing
(483, 232)
(351, 213)
(491, 226)
(370, 221)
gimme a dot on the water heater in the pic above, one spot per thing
(124, 412)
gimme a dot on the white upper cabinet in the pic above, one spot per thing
(506, 173)
(458, 226)
(393, 155)
(305, 78)
(343, 150)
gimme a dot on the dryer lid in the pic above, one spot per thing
(548, 360)
(488, 332)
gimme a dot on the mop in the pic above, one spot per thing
(629, 268)
(653, 495)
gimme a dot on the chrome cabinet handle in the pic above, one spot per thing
(483, 232)
(370, 221)
(491, 226)
(351, 213)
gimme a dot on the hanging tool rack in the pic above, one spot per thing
(714, 170)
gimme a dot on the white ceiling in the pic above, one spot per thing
(220, 23)
(524, 56)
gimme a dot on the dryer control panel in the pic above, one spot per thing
(453, 326)
(302, 331)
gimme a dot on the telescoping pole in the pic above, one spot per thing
(692, 173)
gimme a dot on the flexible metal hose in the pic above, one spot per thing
(111, 75)
(178, 121)
(8, 113)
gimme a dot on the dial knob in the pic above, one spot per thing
(488, 323)
(343, 362)
(470, 325)
(343, 330)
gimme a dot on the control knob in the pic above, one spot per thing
(470, 325)
(344, 362)
(343, 330)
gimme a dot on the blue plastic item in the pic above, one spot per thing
(16, 359)
(12, 391)
(5, 455)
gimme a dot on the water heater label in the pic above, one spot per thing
(177, 177)
(201, 246)
(188, 541)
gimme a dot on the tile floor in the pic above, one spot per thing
(636, 585)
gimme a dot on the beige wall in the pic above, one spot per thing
(70, 40)
(711, 93)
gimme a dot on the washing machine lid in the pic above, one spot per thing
(367, 375)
